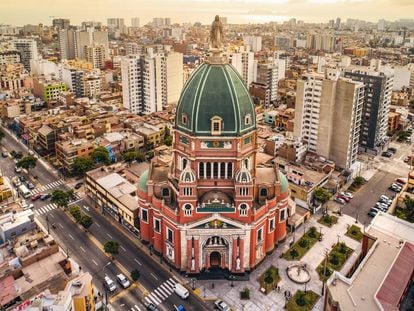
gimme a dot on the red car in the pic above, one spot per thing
(346, 199)
(36, 197)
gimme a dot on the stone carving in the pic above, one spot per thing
(216, 33)
(238, 263)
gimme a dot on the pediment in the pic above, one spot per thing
(216, 221)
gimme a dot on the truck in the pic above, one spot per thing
(24, 192)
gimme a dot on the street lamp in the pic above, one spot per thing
(193, 283)
(47, 222)
(338, 238)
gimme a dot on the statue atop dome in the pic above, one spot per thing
(216, 33)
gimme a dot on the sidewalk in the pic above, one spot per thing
(276, 300)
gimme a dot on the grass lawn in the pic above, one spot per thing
(336, 259)
(269, 279)
(302, 301)
(328, 220)
(299, 249)
(355, 233)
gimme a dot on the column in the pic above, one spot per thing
(212, 170)
(225, 170)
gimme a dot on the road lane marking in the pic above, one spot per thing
(154, 276)
(94, 262)
(123, 248)
(51, 215)
(160, 293)
(70, 235)
(82, 249)
(97, 224)
(109, 236)
(60, 225)
(137, 307)
(136, 260)
(86, 207)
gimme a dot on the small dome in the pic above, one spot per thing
(187, 175)
(142, 184)
(243, 175)
(284, 183)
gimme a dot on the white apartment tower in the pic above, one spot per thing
(255, 42)
(244, 62)
(135, 22)
(328, 116)
(27, 49)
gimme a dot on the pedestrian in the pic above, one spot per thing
(212, 285)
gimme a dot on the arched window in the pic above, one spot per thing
(222, 170)
(230, 170)
(216, 125)
(188, 209)
(215, 170)
(243, 209)
(201, 170)
(263, 192)
(208, 169)
(184, 163)
(165, 192)
(184, 119)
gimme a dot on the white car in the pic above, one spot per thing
(109, 284)
(123, 280)
(347, 194)
(222, 306)
(340, 200)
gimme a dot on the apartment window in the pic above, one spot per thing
(282, 215)
(157, 225)
(271, 224)
(170, 235)
(243, 209)
(260, 235)
(188, 209)
(144, 215)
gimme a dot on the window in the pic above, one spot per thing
(230, 170)
(244, 191)
(260, 235)
(188, 209)
(201, 170)
(157, 225)
(170, 235)
(188, 191)
(208, 169)
(216, 125)
(282, 214)
(184, 163)
(184, 118)
(263, 192)
(243, 209)
(222, 170)
(271, 224)
(215, 170)
(165, 192)
(247, 119)
(144, 215)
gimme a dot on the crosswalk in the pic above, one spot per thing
(52, 206)
(136, 308)
(48, 186)
(162, 292)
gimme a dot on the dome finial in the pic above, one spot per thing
(216, 34)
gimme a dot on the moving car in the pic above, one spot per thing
(123, 280)
(181, 291)
(109, 284)
(221, 305)
(36, 197)
(340, 200)
(152, 307)
(30, 185)
(45, 196)
(22, 178)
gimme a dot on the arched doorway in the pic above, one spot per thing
(215, 259)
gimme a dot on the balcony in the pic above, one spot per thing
(216, 208)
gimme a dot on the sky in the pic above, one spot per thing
(21, 12)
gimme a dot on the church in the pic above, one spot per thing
(213, 207)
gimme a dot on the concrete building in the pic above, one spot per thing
(245, 64)
(95, 54)
(68, 151)
(377, 99)
(255, 42)
(116, 24)
(135, 22)
(48, 90)
(74, 79)
(321, 41)
(15, 224)
(61, 23)
(67, 45)
(268, 76)
(9, 57)
(328, 116)
(151, 81)
(92, 85)
(27, 49)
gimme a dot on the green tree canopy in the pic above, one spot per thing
(101, 155)
(81, 165)
(359, 180)
(28, 162)
(111, 247)
(86, 221)
(60, 198)
(130, 156)
(321, 195)
(135, 274)
(168, 140)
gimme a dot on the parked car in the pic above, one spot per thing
(386, 154)
(373, 212)
(385, 202)
(221, 305)
(392, 149)
(401, 181)
(346, 194)
(109, 284)
(340, 200)
(45, 196)
(152, 307)
(36, 197)
(17, 169)
(4, 154)
(381, 206)
(123, 280)
(346, 199)
(394, 187)
(78, 185)
(30, 185)
(22, 178)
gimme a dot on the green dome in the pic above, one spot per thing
(142, 184)
(284, 183)
(215, 90)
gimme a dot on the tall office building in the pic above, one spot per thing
(328, 115)
(67, 43)
(116, 24)
(150, 81)
(61, 23)
(338, 23)
(95, 54)
(27, 49)
(321, 41)
(135, 22)
(377, 101)
(255, 42)
(268, 76)
(245, 64)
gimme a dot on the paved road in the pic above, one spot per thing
(156, 280)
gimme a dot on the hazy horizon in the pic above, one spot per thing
(237, 11)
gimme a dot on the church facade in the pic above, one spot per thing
(213, 207)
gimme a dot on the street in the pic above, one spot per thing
(155, 284)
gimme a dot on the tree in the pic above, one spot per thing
(81, 165)
(359, 180)
(28, 162)
(312, 232)
(135, 275)
(75, 211)
(112, 248)
(168, 140)
(131, 156)
(60, 198)
(321, 195)
(86, 221)
(101, 155)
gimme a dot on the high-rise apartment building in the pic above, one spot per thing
(268, 76)
(67, 43)
(74, 80)
(328, 115)
(135, 22)
(255, 42)
(377, 100)
(151, 80)
(95, 54)
(61, 23)
(161, 22)
(245, 64)
(116, 24)
(321, 41)
(27, 49)
(9, 57)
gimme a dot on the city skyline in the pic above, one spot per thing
(237, 11)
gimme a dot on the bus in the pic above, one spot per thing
(24, 191)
